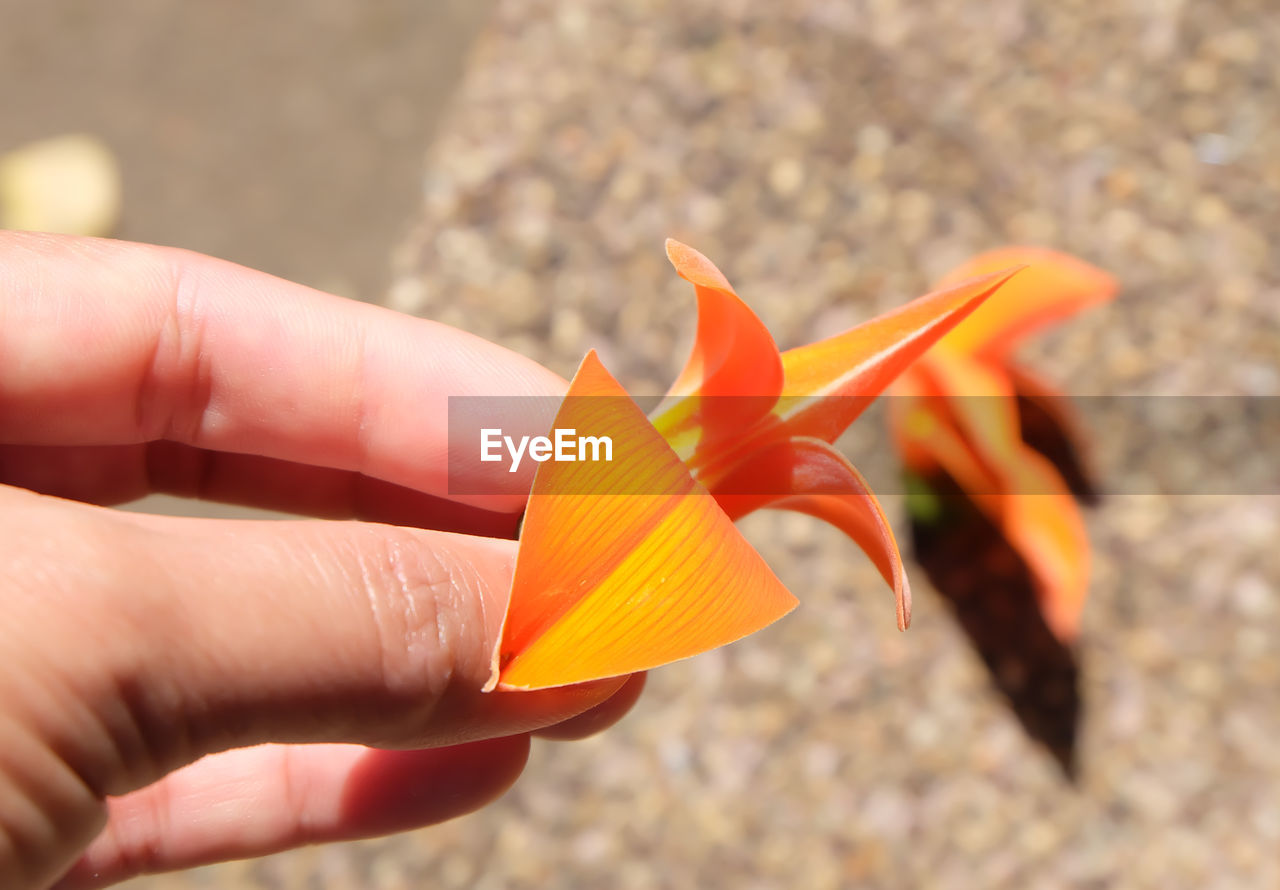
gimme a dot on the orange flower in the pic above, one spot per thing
(956, 412)
(634, 562)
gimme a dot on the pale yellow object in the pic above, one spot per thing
(68, 184)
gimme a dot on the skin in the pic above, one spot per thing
(161, 674)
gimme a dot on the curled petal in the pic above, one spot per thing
(829, 383)
(734, 373)
(1053, 286)
(734, 353)
(627, 564)
(809, 476)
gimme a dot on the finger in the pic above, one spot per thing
(167, 638)
(115, 474)
(256, 801)
(599, 718)
(113, 343)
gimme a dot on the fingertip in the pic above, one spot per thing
(600, 717)
(390, 791)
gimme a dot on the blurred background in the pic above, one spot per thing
(512, 168)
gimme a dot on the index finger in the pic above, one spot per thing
(106, 342)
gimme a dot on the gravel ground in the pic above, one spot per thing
(834, 157)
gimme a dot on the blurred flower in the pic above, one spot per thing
(68, 184)
(956, 412)
(627, 564)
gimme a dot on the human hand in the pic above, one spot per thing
(136, 645)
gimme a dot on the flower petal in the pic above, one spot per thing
(628, 564)
(829, 383)
(975, 440)
(734, 353)
(1053, 286)
(980, 400)
(928, 439)
(809, 476)
(1043, 523)
(734, 373)
(1074, 461)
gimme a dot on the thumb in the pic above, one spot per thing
(164, 639)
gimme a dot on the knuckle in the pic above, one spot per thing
(424, 613)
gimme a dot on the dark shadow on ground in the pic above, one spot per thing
(991, 594)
